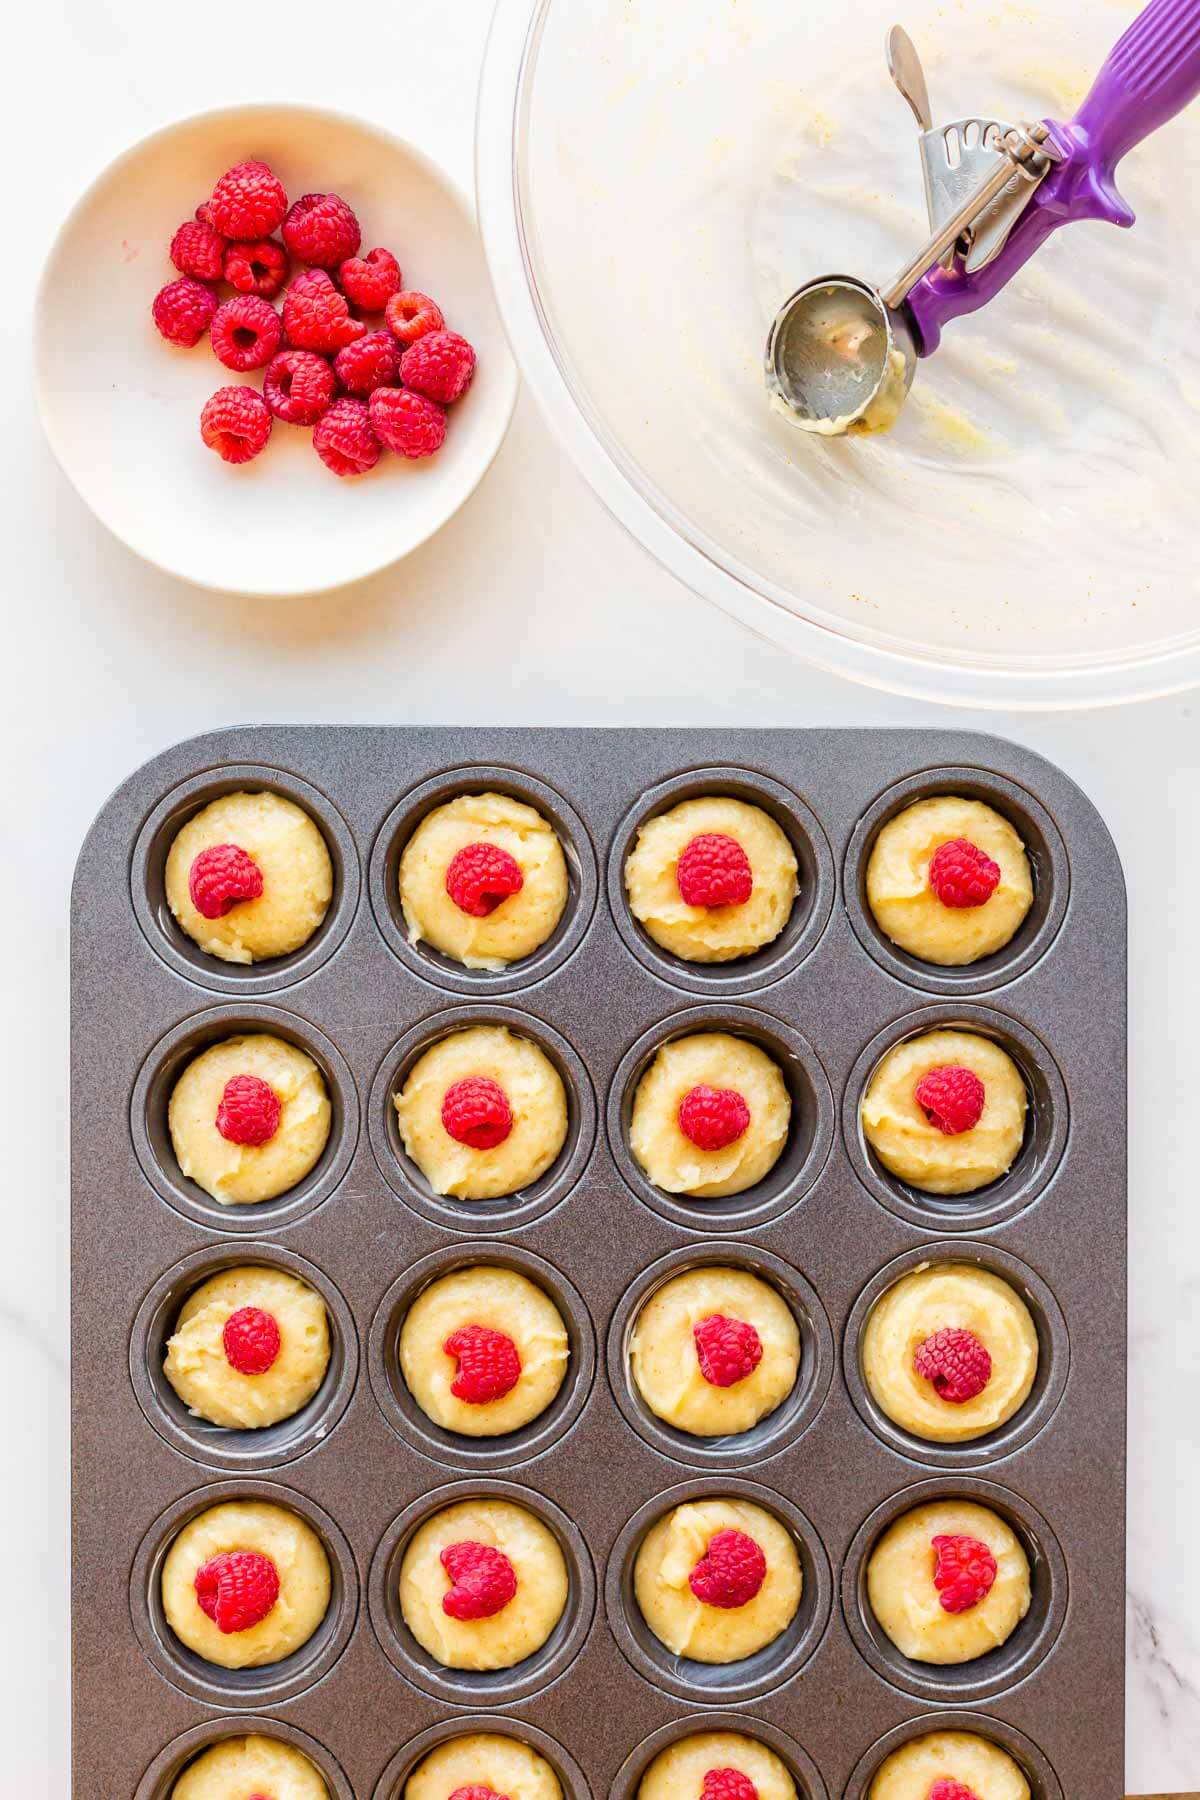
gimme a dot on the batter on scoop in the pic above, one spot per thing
(711, 933)
(483, 1300)
(234, 1171)
(912, 1146)
(497, 1632)
(668, 1581)
(905, 874)
(913, 1771)
(666, 1359)
(680, 1771)
(240, 1767)
(202, 1361)
(292, 861)
(911, 1608)
(529, 1113)
(484, 928)
(272, 1532)
(483, 1759)
(714, 1062)
(907, 1326)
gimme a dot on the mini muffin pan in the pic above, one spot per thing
(829, 1228)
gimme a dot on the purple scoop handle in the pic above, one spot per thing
(1150, 76)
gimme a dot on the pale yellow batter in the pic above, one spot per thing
(535, 1095)
(910, 1772)
(713, 1059)
(677, 1773)
(666, 1368)
(909, 1607)
(241, 1174)
(520, 1627)
(300, 1561)
(296, 870)
(908, 1144)
(690, 1627)
(929, 1300)
(207, 1382)
(523, 921)
(250, 1768)
(502, 1300)
(906, 908)
(483, 1759)
(710, 934)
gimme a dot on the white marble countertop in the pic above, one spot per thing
(532, 607)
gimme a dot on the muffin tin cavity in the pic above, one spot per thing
(1054, 1357)
(160, 1778)
(714, 1683)
(814, 873)
(572, 1780)
(809, 1136)
(780, 1429)
(1001, 1668)
(453, 1448)
(384, 879)
(269, 1446)
(1046, 1125)
(809, 1785)
(510, 1210)
(1043, 1782)
(152, 1138)
(1047, 860)
(158, 922)
(473, 1687)
(240, 1688)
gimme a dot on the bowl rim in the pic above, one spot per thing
(337, 116)
(516, 31)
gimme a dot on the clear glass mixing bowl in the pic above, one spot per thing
(656, 176)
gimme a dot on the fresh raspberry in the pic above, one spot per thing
(480, 876)
(316, 316)
(370, 280)
(477, 1790)
(488, 1364)
(440, 366)
(411, 316)
(251, 1340)
(484, 1580)
(321, 230)
(961, 875)
(247, 203)
(344, 440)
(183, 311)
(249, 1111)
(260, 268)
(730, 1572)
(713, 1118)
(198, 250)
(476, 1112)
(945, 1789)
(237, 1590)
(727, 1784)
(957, 1364)
(952, 1098)
(246, 333)
(963, 1573)
(236, 423)
(298, 386)
(221, 877)
(727, 1349)
(203, 215)
(407, 423)
(369, 362)
(714, 870)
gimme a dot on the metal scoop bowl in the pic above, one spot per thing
(839, 358)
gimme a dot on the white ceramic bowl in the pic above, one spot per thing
(121, 407)
(654, 179)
